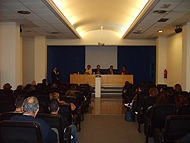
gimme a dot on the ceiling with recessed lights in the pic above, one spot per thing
(63, 19)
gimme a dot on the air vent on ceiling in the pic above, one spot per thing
(159, 11)
(54, 32)
(165, 5)
(137, 32)
(23, 12)
(163, 20)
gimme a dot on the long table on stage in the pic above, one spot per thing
(106, 80)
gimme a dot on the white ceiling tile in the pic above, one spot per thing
(29, 1)
(15, 5)
(42, 11)
(13, 16)
(35, 5)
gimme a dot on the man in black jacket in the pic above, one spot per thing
(98, 70)
(55, 75)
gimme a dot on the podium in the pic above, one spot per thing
(98, 86)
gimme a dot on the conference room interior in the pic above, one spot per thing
(96, 33)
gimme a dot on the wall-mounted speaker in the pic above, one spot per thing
(178, 29)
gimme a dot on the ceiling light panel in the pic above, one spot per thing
(85, 15)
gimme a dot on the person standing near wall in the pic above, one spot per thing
(55, 76)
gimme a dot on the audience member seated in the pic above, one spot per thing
(7, 86)
(180, 100)
(31, 88)
(110, 70)
(170, 93)
(18, 103)
(163, 89)
(141, 88)
(27, 87)
(73, 88)
(33, 83)
(30, 109)
(151, 83)
(123, 71)
(44, 82)
(177, 88)
(153, 92)
(54, 86)
(55, 95)
(62, 87)
(20, 87)
(161, 99)
(70, 93)
(88, 70)
(124, 90)
(54, 109)
(98, 70)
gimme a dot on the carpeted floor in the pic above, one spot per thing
(109, 129)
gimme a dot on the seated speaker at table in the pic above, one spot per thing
(88, 70)
(110, 70)
(98, 70)
(124, 71)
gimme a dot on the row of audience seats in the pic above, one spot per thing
(30, 131)
(44, 90)
(74, 117)
(167, 122)
(128, 92)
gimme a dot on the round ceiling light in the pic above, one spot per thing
(23, 12)
(159, 11)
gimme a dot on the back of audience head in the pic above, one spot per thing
(143, 83)
(44, 82)
(33, 82)
(73, 87)
(19, 102)
(180, 100)
(153, 92)
(54, 85)
(27, 86)
(53, 105)
(170, 92)
(70, 93)
(31, 88)
(31, 105)
(178, 88)
(150, 83)
(7, 86)
(162, 99)
(142, 88)
(54, 95)
(20, 87)
(163, 89)
(62, 87)
(127, 83)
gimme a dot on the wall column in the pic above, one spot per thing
(185, 57)
(11, 65)
(161, 46)
(40, 53)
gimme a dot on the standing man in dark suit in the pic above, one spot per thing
(110, 70)
(55, 76)
(98, 70)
